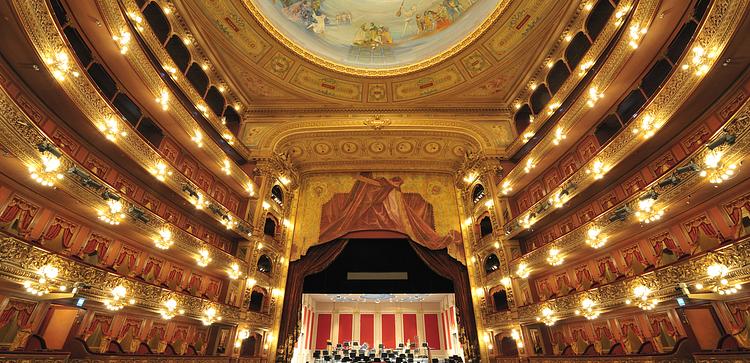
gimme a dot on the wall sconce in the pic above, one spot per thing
(266, 206)
(47, 275)
(137, 19)
(594, 96)
(523, 270)
(203, 258)
(648, 127)
(555, 258)
(470, 177)
(198, 138)
(506, 281)
(595, 238)
(516, 335)
(164, 240)
(636, 33)
(646, 212)
(241, 335)
(226, 167)
(160, 171)
(699, 61)
(228, 222)
(251, 282)
(641, 295)
(48, 171)
(585, 66)
(169, 310)
(210, 316)
(122, 40)
(552, 108)
(506, 188)
(547, 317)
(717, 282)
(527, 136)
(117, 302)
(228, 137)
(588, 309)
(598, 169)
(111, 129)
(113, 213)
(715, 169)
(559, 136)
(60, 67)
(234, 271)
(528, 220)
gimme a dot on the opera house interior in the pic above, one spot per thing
(401, 181)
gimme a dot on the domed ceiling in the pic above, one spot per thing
(376, 34)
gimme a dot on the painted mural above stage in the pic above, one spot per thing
(376, 34)
(420, 206)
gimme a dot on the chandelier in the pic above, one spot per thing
(595, 238)
(164, 240)
(169, 310)
(717, 281)
(48, 171)
(516, 335)
(111, 129)
(203, 258)
(523, 270)
(210, 316)
(118, 300)
(598, 169)
(45, 282)
(646, 212)
(715, 170)
(113, 213)
(160, 171)
(588, 309)
(555, 258)
(234, 271)
(641, 295)
(547, 317)
(60, 66)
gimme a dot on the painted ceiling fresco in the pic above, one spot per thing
(376, 34)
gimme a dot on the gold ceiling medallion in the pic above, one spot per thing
(377, 122)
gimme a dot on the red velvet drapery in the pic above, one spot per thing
(316, 260)
(446, 266)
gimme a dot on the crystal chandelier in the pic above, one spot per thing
(234, 271)
(113, 213)
(523, 270)
(169, 309)
(164, 240)
(203, 258)
(118, 300)
(547, 317)
(48, 171)
(47, 275)
(717, 282)
(588, 309)
(555, 258)
(641, 299)
(595, 238)
(210, 316)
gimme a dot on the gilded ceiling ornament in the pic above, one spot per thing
(377, 122)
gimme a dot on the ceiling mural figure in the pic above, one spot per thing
(376, 34)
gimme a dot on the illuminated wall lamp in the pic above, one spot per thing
(559, 136)
(547, 317)
(59, 66)
(234, 271)
(588, 309)
(523, 270)
(48, 170)
(113, 213)
(203, 258)
(595, 238)
(111, 129)
(641, 294)
(164, 240)
(44, 284)
(161, 171)
(170, 309)
(554, 257)
(717, 282)
(506, 188)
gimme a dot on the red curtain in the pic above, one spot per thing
(316, 260)
(446, 266)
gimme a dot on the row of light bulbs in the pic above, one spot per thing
(699, 62)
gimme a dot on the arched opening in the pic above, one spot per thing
(500, 300)
(478, 193)
(508, 347)
(491, 263)
(250, 346)
(485, 226)
(257, 298)
(277, 195)
(269, 227)
(264, 264)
